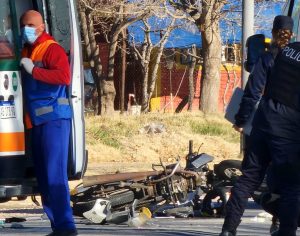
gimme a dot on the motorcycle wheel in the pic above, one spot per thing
(214, 202)
(115, 200)
(228, 169)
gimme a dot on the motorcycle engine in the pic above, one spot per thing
(174, 189)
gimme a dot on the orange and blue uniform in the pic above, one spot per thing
(50, 114)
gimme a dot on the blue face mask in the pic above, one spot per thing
(28, 34)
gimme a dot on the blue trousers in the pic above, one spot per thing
(262, 149)
(50, 143)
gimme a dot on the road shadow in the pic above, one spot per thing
(22, 211)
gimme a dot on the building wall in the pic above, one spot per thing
(172, 87)
(172, 84)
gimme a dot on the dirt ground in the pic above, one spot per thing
(140, 150)
(169, 147)
(140, 157)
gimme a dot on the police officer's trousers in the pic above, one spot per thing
(50, 143)
(261, 150)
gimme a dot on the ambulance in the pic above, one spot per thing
(17, 177)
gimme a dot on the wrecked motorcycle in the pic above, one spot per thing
(195, 190)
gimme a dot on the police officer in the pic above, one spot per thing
(281, 35)
(257, 153)
(278, 119)
(46, 75)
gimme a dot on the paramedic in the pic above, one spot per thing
(46, 76)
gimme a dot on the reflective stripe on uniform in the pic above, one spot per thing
(43, 110)
(63, 101)
(47, 109)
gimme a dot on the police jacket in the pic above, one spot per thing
(44, 101)
(284, 83)
(255, 86)
(279, 110)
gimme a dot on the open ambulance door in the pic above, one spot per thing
(65, 29)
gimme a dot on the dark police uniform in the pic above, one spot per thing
(253, 166)
(255, 86)
(275, 137)
(263, 145)
(279, 118)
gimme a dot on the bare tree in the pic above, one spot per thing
(91, 48)
(265, 12)
(112, 17)
(144, 52)
(191, 77)
(207, 14)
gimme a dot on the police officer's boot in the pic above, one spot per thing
(228, 233)
(274, 226)
(274, 233)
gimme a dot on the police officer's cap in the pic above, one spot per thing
(283, 22)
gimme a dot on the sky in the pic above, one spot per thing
(229, 31)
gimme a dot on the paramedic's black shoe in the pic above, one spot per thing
(227, 233)
(71, 232)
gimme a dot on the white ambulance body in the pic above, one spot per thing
(16, 168)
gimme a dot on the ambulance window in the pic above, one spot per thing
(6, 32)
(21, 7)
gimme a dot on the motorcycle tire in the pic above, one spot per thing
(115, 200)
(214, 208)
(228, 169)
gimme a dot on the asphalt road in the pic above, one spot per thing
(251, 226)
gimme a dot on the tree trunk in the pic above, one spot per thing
(153, 77)
(211, 44)
(123, 79)
(84, 30)
(145, 87)
(95, 59)
(91, 48)
(145, 57)
(108, 88)
(191, 78)
(108, 92)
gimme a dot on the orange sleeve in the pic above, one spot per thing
(27, 120)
